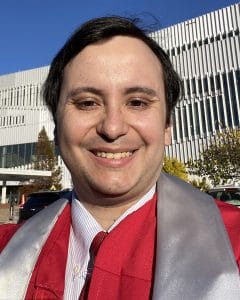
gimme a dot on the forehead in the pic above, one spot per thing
(117, 55)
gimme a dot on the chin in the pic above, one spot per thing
(113, 190)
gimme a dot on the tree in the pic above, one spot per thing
(201, 184)
(45, 159)
(175, 167)
(221, 160)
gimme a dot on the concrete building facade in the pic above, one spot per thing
(206, 53)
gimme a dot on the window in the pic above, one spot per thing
(212, 83)
(203, 117)
(205, 85)
(200, 86)
(214, 106)
(174, 126)
(209, 115)
(191, 119)
(227, 100)
(188, 87)
(233, 98)
(218, 83)
(196, 116)
(221, 112)
(193, 85)
(185, 123)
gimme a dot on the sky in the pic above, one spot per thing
(32, 31)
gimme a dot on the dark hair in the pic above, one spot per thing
(97, 30)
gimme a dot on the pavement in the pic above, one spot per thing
(5, 216)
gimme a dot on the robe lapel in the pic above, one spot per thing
(48, 277)
(21, 251)
(194, 256)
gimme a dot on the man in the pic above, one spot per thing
(111, 90)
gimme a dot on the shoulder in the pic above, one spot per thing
(230, 215)
(58, 212)
(231, 218)
(6, 232)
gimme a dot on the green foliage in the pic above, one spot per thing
(175, 167)
(45, 159)
(221, 160)
(201, 184)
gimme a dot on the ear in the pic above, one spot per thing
(168, 135)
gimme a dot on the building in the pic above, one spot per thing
(22, 116)
(204, 50)
(206, 53)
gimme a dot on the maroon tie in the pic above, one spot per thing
(97, 241)
(95, 245)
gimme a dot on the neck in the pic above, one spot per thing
(106, 209)
(106, 216)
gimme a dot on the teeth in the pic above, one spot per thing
(111, 155)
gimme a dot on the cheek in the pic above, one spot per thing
(151, 129)
(70, 121)
(68, 129)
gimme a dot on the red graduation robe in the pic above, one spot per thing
(123, 267)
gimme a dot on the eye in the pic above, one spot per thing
(85, 104)
(138, 103)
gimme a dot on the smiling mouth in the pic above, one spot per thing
(111, 155)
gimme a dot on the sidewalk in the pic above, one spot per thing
(5, 214)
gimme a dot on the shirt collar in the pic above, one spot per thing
(85, 231)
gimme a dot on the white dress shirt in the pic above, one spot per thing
(83, 230)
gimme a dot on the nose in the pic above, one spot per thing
(113, 124)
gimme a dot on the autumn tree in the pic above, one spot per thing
(221, 160)
(200, 183)
(44, 159)
(174, 167)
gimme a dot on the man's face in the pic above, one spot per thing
(111, 120)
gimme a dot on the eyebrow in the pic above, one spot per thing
(74, 92)
(135, 89)
(142, 90)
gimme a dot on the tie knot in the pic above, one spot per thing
(97, 241)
